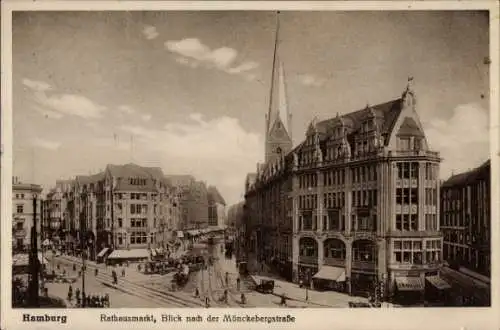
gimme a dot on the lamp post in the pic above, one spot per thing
(33, 260)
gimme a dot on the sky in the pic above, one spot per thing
(188, 91)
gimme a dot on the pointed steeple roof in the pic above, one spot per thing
(278, 105)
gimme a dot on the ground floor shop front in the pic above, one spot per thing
(399, 287)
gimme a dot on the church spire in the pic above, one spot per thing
(278, 119)
(278, 106)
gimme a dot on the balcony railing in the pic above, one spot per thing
(413, 153)
(405, 208)
(308, 260)
(334, 262)
(363, 265)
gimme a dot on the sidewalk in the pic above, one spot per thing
(319, 298)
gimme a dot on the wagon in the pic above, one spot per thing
(265, 286)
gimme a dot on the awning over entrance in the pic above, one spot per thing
(409, 283)
(129, 254)
(331, 273)
(23, 259)
(192, 232)
(438, 282)
(102, 253)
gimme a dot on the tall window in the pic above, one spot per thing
(433, 251)
(335, 249)
(407, 251)
(414, 170)
(333, 220)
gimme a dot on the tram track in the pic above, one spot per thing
(141, 290)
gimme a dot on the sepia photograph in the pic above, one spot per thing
(250, 159)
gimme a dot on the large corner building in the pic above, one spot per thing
(355, 204)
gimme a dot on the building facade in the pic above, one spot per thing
(216, 208)
(123, 207)
(23, 214)
(466, 220)
(55, 216)
(357, 199)
(193, 199)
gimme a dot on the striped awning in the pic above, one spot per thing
(336, 274)
(438, 282)
(23, 259)
(409, 283)
(102, 253)
(129, 254)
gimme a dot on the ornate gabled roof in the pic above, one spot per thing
(387, 112)
(215, 196)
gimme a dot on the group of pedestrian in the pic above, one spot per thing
(87, 300)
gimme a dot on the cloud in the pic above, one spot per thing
(126, 109)
(37, 86)
(48, 113)
(191, 52)
(217, 150)
(462, 140)
(310, 80)
(46, 144)
(150, 32)
(111, 142)
(146, 117)
(56, 105)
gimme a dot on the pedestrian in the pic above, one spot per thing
(70, 293)
(123, 272)
(243, 299)
(74, 267)
(238, 283)
(227, 278)
(196, 292)
(96, 271)
(207, 302)
(283, 300)
(77, 293)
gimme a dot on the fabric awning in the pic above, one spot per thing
(180, 234)
(331, 273)
(438, 282)
(409, 283)
(23, 259)
(102, 253)
(129, 254)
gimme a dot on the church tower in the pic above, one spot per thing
(278, 119)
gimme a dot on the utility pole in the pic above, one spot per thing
(83, 248)
(33, 261)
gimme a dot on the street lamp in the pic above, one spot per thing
(33, 260)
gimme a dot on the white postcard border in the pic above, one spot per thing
(412, 318)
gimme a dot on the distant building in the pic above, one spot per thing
(193, 199)
(235, 215)
(216, 208)
(466, 220)
(55, 216)
(123, 207)
(23, 215)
